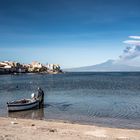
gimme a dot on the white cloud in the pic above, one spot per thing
(134, 37)
(132, 42)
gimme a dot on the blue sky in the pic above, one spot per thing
(71, 33)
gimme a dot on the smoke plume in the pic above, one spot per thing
(132, 50)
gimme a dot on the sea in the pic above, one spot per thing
(110, 99)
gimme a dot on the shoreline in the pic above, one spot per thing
(21, 129)
(18, 73)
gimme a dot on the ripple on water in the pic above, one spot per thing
(89, 97)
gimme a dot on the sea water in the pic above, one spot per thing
(100, 98)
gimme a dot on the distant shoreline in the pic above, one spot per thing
(16, 73)
(64, 72)
(97, 71)
(12, 67)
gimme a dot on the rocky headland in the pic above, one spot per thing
(11, 67)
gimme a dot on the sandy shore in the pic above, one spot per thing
(23, 129)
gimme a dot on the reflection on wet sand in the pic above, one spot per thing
(30, 114)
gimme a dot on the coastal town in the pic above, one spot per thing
(12, 67)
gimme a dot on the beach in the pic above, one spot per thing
(21, 129)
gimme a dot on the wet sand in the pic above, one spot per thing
(25, 129)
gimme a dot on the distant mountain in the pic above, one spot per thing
(109, 65)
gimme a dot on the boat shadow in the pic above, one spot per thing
(28, 114)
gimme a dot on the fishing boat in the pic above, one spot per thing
(37, 100)
(23, 104)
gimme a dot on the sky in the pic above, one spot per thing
(71, 33)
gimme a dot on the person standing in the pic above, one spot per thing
(40, 96)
